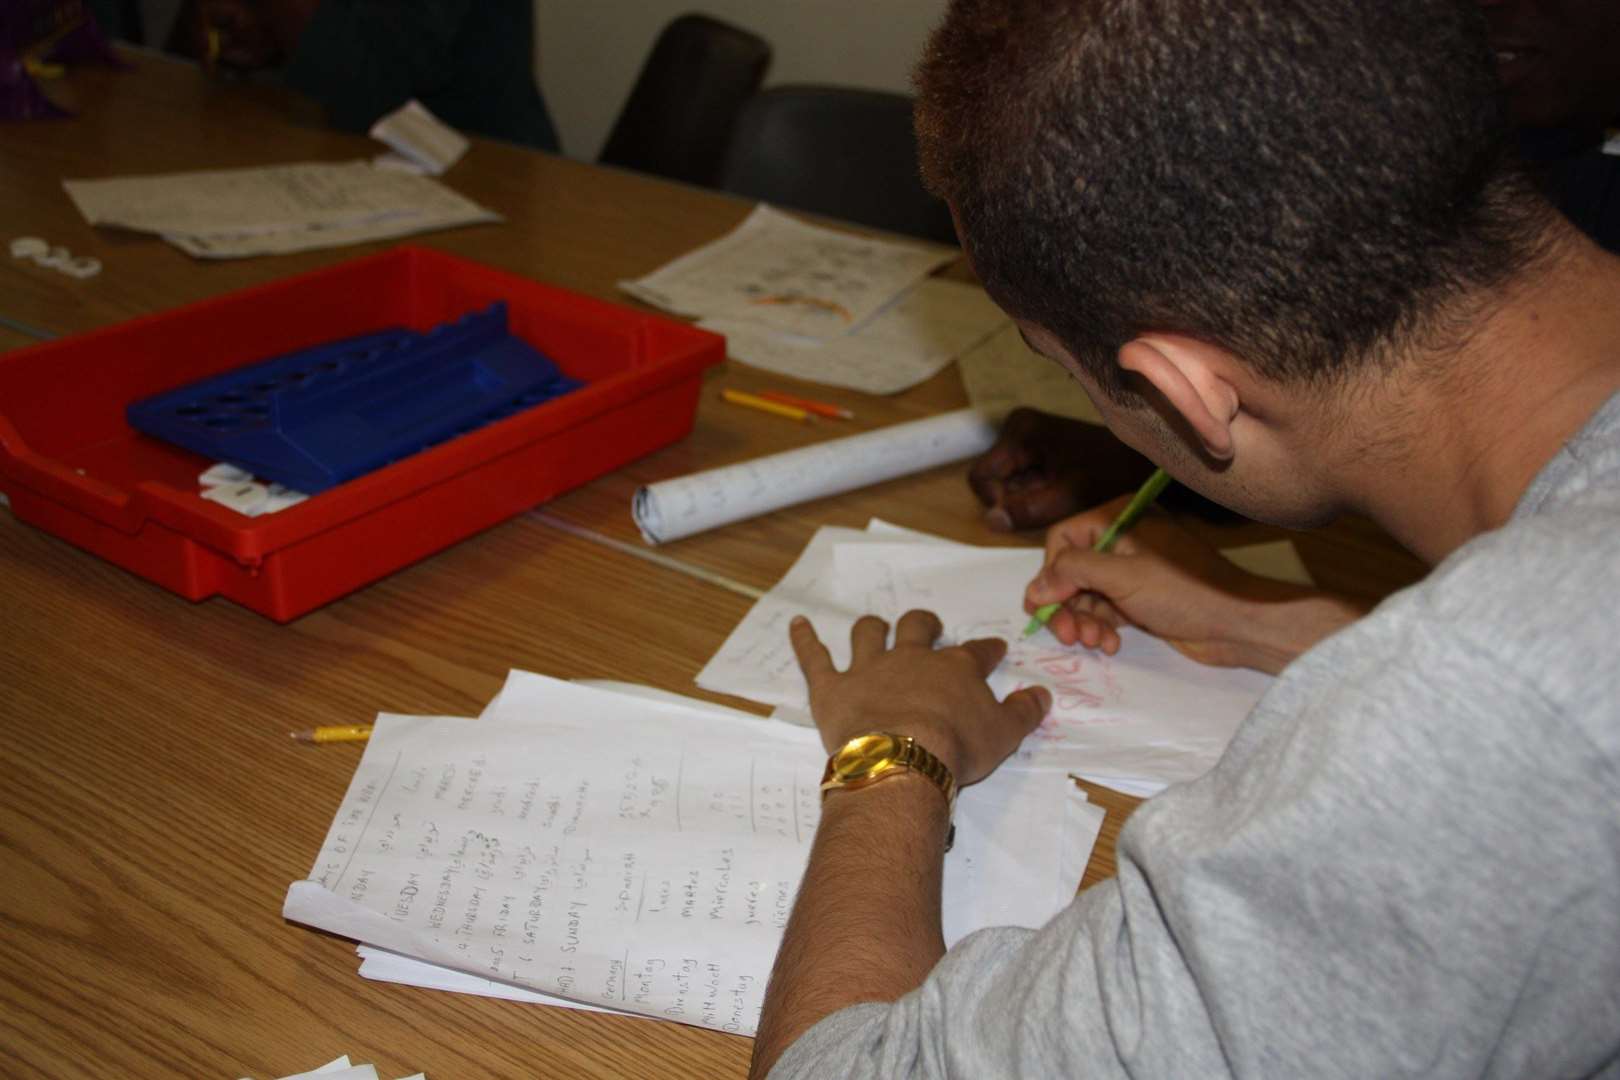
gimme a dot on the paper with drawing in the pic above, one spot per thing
(1140, 720)
(904, 344)
(778, 272)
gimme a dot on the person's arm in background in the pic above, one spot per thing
(362, 59)
(240, 35)
(1044, 468)
(358, 59)
(471, 64)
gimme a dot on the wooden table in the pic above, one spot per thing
(154, 810)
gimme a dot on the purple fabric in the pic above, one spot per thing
(20, 97)
(24, 24)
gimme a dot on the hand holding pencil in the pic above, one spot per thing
(1162, 579)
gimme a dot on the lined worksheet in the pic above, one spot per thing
(627, 853)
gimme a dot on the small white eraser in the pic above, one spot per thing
(223, 472)
(28, 247)
(84, 266)
(248, 498)
(281, 499)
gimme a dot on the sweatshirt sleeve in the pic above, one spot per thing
(1401, 867)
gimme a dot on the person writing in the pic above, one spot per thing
(1557, 64)
(1405, 863)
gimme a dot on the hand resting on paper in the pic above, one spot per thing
(1043, 468)
(1161, 578)
(937, 696)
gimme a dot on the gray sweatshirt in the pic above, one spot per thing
(1406, 864)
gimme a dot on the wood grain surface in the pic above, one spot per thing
(154, 809)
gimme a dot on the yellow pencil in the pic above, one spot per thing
(754, 401)
(338, 733)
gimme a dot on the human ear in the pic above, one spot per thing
(1187, 373)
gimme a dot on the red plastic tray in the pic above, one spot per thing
(72, 466)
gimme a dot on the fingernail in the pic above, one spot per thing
(998, 519)
(799, 620)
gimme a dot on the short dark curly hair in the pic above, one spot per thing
(1308, 183)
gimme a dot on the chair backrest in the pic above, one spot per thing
(837, 151)
(679, 116)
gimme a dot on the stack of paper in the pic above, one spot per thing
(582, 846)
(825, 306)
(1137, 721)
(232, 213)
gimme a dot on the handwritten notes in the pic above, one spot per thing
(627, 852)
(1137, 721)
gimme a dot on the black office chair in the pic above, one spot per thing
(837, 151)
(699, 75)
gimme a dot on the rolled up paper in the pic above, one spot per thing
(672, 509)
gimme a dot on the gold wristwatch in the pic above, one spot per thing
(866, 759)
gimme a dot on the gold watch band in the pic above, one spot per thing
(866, 759)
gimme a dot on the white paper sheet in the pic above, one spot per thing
(340, 1069)
(906, 343)
(232, 213)
(421, 138)
(672, 509)
(1082, 824)
(1138, 721)
(1000, 372)
(1275, 559)
(380, 965)
(778, 272)
(631, 853)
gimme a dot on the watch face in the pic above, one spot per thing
(865, 756)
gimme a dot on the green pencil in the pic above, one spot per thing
(1127, 517)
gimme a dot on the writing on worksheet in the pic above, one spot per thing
(560, 872)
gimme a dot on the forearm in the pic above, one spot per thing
(866, 924)
(1283, 621)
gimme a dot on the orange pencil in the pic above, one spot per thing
(820, 408)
